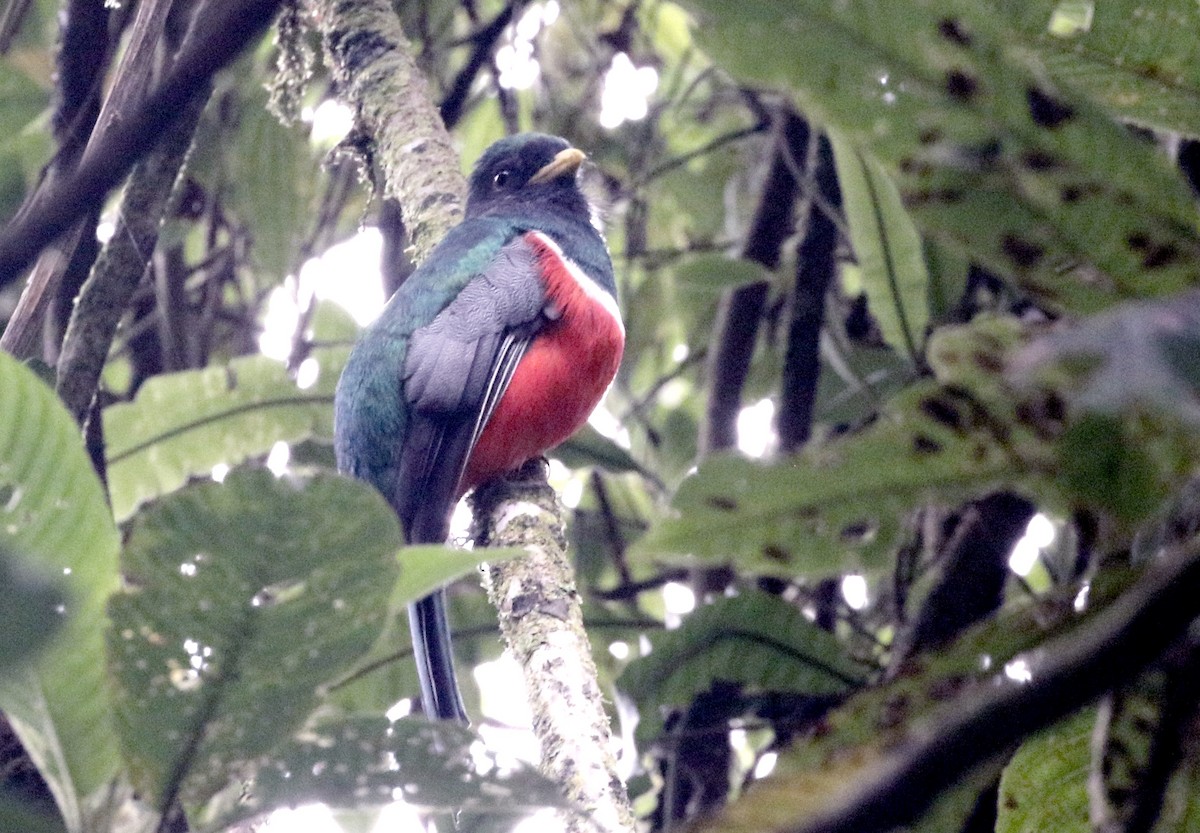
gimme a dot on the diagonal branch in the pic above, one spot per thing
(1121, 640)
(374, 70)
(228, 28)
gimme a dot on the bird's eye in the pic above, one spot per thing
(501, 179)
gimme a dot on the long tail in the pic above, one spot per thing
(435, 661)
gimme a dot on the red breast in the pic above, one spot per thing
(561, 378)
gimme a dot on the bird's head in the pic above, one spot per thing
(529, 170)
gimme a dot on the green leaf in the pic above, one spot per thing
(888, 249)
(21, 101)
(869, 732)
(273, 184)
(1136, 355)
(1044, 787)
(367, 760)
(428, 567)
(1140, 60)
(243, 600)
(21, 98)
(20, 814)
(840, 505)
(756, 640)
(29, 604)
(588, 447)
(182, 424)
(989, 156)
(53, 512)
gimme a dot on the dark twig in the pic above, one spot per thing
(484, 44)
(11, 18)
(741, 309)
(734, 337)
(81, 62)
(1117, 644)
(228, 27)
(815, 270)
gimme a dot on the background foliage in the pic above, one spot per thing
(894, 280)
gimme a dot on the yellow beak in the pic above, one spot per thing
(565, 162)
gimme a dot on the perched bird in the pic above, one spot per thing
(494, 350)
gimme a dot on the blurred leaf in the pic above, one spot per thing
(1044, 787)
(21, 101)
(244, 598)
(841, 505)
(21, 98)
(18, 814)
(53, 512)
(757, 640)
(1137, 355)
(428, 567)
(855, 381)
(989, 157)
(948, 273)
(182, 424)
(857, 738)
(1140, 60)
(588, 447)
(1104, 465)
(28, 615)
(273, 183)
(886, 246)
(367, 760)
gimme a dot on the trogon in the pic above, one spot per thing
(494, 350)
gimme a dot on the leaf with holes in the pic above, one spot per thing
(182, 424)
(887, 247)
(29, 605)
(53, 513)
(243, 599)
(1044, 786)
(841, 505)
(990, 156)
(1139, 59)
(363, 760)
(755, 640)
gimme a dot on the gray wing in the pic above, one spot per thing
(455, 372)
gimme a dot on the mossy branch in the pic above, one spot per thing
(375, 72)
(541, 619)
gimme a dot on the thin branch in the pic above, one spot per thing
(815, 270)
(484, 44)
(228, 28)
(372, 64)
(541, 617)
(107, 293)
(1075, 669)
(705, 149)
(81, 63)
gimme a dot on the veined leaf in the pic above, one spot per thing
(29, 604)
(756, 640)
(1140, 60)
(243, 599)
(182, 424)
(1044, 786)
(890, 256)
(989, 156)
(367, 760)
(273, 184)
(53, 512)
